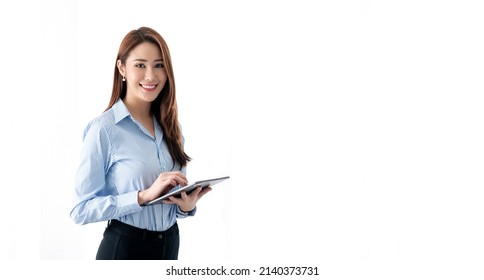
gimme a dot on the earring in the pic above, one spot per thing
(124, 79)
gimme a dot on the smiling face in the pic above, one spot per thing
(144, 72)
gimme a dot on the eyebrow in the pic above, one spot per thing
(144, 60)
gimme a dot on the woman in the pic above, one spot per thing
(133, 153)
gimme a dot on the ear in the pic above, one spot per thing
(121, 68)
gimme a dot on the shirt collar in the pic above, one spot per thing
(120, 111)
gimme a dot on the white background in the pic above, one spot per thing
(352, 131)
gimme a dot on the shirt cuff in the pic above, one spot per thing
(181, 214)
(127, 203)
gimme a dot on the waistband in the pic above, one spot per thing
(139, 233)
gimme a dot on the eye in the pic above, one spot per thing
(159, 65)
(140, 65)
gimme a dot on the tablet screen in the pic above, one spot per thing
(188, 189)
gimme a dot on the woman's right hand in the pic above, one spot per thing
(162, 184)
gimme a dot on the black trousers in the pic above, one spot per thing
(125, 242)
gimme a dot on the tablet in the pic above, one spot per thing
(188, 189)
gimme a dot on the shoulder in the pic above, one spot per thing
(102, 124)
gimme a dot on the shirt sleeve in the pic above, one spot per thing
(180, 214)
(92, 203)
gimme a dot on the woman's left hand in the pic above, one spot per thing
(188, 202)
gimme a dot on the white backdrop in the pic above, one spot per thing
(352, 130)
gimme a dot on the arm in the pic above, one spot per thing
(92, 201)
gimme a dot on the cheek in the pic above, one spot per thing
(133, 74)
(163, 77)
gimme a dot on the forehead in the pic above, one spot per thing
(147, 51)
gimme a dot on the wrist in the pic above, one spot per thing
(184, 211)
(141, 198)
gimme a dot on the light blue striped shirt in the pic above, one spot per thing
(119, 158)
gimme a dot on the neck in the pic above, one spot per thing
(137, 108)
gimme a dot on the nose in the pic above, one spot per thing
(149, 74)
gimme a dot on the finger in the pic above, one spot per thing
(184, 195)
(168, 201)
(173, 200)
(178, 173)
(204, 191)
(180, 179)
(170, 183)
(196, 191)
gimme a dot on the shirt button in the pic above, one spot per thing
(160, 236)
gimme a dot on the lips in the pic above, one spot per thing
(148, 87)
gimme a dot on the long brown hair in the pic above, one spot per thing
(164, 107)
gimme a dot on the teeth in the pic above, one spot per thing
(148, 87)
